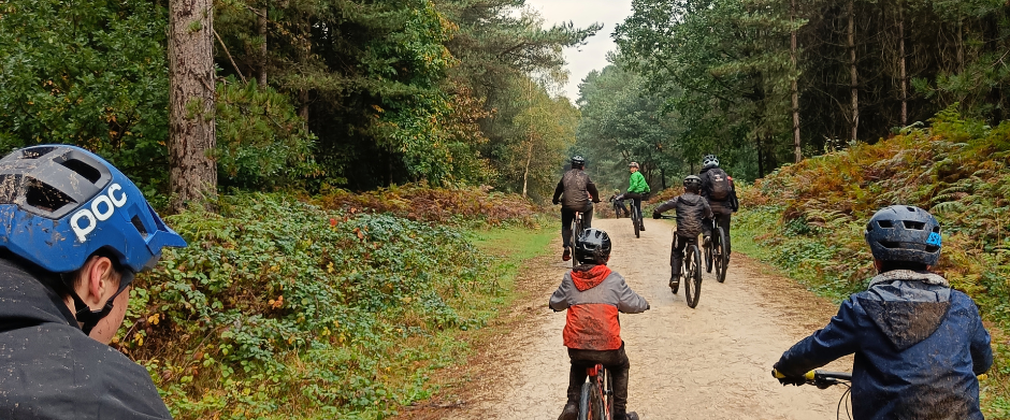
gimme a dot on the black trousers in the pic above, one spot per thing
(616, 361)
(677, 252)
(722, 219)
(568, 215)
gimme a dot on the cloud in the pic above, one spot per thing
(593, 55)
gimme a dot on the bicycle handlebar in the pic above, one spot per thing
(820, 378)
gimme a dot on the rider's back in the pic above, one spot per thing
(918, 348)
(576, 184)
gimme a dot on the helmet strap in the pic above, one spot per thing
(87, 317)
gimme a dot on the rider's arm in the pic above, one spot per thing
(558, 190)
(981, 350)
(630, 302)
(837, 339)
(666, 206)
(559, 300)
(591, 187)
(708, 210)
(734, 204)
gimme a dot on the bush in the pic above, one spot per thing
(809, 218)
(280, 308)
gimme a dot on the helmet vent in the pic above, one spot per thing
(137, 223)
(35, 152)
(913, 225)
(9, 188)
(886, 224)
(45, 197)
(83, 169)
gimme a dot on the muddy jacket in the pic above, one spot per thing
(726, 206)
(593, 296)
(691, 208)
(576, 190)
(918, 347)
(50, 370)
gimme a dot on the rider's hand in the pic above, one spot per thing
(788, 380)
(555, 201)
(656, 215)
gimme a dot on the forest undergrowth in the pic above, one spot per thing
(337, 306)
(808, 219)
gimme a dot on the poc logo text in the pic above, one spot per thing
(102, 208)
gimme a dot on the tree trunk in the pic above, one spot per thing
(853, 75)
(794, 87)
(904, 76)
(761, 157)
(526, 171)
(191, 137)
(262, 76)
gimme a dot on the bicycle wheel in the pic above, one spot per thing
(708, 257)
(608, 395)
(674, 277)
(597, 410)
(692, 275)
(721, 258)
(576, 231)
(584, 402)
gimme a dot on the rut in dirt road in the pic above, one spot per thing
(711, 362)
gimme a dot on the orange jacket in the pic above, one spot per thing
(593, 296)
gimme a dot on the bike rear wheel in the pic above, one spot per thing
(576, 231)
(708, 256)
(692, 275)
(591, 403)
(721, 258)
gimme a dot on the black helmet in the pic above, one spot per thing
(710, 160)
(904, 233)
(578, 161)
(692, 183)
(592, 247)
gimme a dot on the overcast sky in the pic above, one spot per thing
(593, 55)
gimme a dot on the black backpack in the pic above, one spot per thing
(719, 184)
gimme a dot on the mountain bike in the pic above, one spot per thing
(636, 213)
(823, 379)
(597, 399)
(715, 252)
(690, 271)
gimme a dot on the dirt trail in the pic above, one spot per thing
(711, 362)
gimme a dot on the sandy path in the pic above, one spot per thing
(711, 362)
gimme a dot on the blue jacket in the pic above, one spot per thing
(918, 345)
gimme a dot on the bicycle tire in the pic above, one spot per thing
(692, 276)
(576, 231)
(597, 412)
(708, 256)
(608, 394)
(721, 258)
(674, 276)
(584, 407)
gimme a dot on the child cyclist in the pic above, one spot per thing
(593, 295)
(918, 343)
(691, 209)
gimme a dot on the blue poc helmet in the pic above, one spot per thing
(904, 233)
(60, 204)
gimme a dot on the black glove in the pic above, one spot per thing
(555, 201)
(656, 215)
